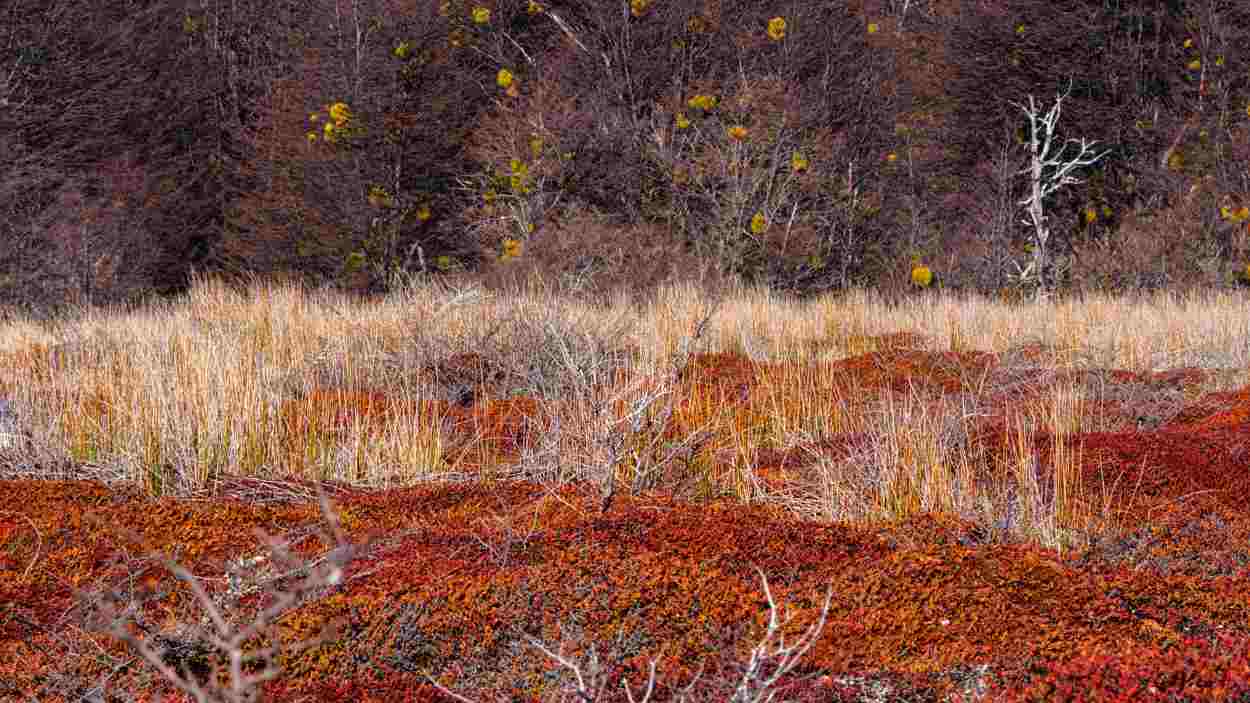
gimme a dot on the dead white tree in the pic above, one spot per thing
(900, 8)
(1048, 173)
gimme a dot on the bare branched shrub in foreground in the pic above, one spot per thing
(769, 661)
(189, 656)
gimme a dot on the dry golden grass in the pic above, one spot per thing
(172, 396)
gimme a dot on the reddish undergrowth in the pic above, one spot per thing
(1155, 609)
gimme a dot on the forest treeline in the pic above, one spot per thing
(809, 146)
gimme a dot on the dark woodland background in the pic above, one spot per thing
(142, 140)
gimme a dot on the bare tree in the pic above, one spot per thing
(1047, 173)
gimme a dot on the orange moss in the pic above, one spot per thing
(912, 598)
(495, 430)
(904, 371)
(1226, 410)
(329, 410)
(1165, 575)
(857, 344)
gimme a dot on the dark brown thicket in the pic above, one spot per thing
(309, 211)
(70, 101)
(122, 122)
(608, 92)
(148, 139)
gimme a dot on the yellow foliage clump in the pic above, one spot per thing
(379, 197)
(702, 102)
(777, 28)
(340, 113)
(511, 248)
(1236, 216)
(921, 276)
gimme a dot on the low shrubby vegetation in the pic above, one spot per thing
(534, 493)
